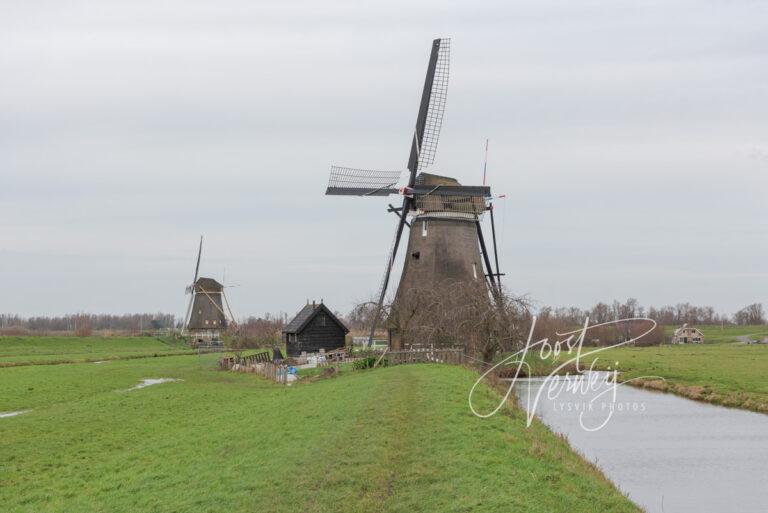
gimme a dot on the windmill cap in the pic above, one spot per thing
(208, 284)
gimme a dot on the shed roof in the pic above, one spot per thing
(306, 314)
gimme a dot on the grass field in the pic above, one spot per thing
(728, 374)
(52, 350)
(398, 439)
(721, 371)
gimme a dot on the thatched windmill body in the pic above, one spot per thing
(446, 244)
(208, 312)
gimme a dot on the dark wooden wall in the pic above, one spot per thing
(315, 336)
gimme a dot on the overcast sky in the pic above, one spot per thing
(630, 137)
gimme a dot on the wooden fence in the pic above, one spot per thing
(211, 349)
(426, 355)
(258, 364)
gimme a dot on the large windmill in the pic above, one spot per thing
(205, 318)
(444, 217)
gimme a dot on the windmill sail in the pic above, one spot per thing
(347, 181)
(423, 148)
(438, 198)
(191, 288)
(436, 108)
(430, 117)
(197, 266)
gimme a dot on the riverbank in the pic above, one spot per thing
(705, 393)
(728, 374)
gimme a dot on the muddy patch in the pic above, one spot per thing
(153, 381)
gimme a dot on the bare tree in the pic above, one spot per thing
(460, 314)
(256, 332)
(601, 312)
(360, 318)
(751, 314)
(83, 327)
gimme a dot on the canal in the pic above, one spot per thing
(667, 453)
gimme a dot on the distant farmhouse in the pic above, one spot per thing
(314, 328)
(687, 335)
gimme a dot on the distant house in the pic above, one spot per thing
(687, 335)
(314, 328)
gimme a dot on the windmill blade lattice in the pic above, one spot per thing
(347, 181)
(436, 109)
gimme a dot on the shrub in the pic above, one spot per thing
(368, 363)
(14, 331)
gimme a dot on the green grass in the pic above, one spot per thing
(397, 439)
(729, 374)
(720, 371)
(52, 350)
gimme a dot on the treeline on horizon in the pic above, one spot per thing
(678, 314)
(81, 322)
(360, 317)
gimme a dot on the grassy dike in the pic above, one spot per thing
(398, 439)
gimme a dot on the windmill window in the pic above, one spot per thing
(474, 269)
(321, 320)
(424, 228)
(206, 322)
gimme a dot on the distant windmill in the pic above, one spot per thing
(446, 239)
(205, 318)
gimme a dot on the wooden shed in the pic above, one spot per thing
(315, 327)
